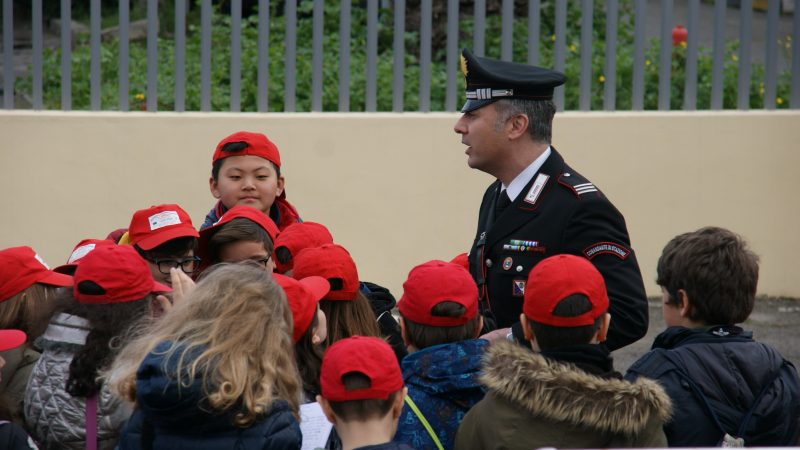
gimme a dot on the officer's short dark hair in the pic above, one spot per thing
(423, 336)
(362, 410)
(551, 337)
(716, 269)
(540, 116)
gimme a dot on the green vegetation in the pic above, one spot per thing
(220, 99)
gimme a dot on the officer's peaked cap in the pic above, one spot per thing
(489, 80)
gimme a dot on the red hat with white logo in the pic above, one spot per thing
(556, 278)
(303, 296)
(11, 339)
(158, 224)
(114, 274)
(255, 144)
(435, 282)
(21, 267)
(297, 237)
(82, 249)
(369, 356)
(332, 262)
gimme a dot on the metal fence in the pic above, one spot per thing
(462, 19)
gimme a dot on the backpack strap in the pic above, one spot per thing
(424, 422)
(91, 422)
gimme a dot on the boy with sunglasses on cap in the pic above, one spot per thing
(362, 393)
(164, 236)
(564, 394)
(440, 324)
(246, 170)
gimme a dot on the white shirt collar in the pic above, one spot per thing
(516, 186)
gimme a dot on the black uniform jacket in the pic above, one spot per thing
(558, 211)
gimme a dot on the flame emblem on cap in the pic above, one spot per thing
(463, 65)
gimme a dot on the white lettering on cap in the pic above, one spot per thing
(39, 258)
(164, 219)
(80, 252)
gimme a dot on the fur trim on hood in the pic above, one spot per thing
(561, 392)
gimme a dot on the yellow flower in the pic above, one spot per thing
(735, 57)
(601, 79)
(553, 38)
(779, 101)
(646, 62)
(139, 96)
(573, 48)
(761, 90)
(683, 44)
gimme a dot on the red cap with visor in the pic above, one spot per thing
(156, 225)
(303, 296)
(82, 249)
(257, 144)
(432, 283)
(299, 236)
(119, 271)
(369, 356)
(556, 278)
(333, 263)
(21, 267)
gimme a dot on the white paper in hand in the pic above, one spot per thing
(314, 426)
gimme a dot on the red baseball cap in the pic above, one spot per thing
(158, 224)
(298, 236)
(21, 267)
(238, 211)
(257, 145)
(557, 277)
(120, 271)
(303, 296)
(82, 249)
(370, 356)
(462, 260)
(432, 283)
(332, 262)
(11, 339)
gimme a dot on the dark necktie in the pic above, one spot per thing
(502, 203)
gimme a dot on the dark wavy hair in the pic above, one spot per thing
(110, 329)
(309, 360)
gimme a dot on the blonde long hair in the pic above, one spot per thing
(238, 321)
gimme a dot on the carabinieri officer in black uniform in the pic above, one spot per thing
(539, 206)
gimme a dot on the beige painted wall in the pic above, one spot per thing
(395, 188)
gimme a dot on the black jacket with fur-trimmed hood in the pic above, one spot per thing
(533, 401)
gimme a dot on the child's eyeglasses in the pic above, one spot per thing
(187, 265)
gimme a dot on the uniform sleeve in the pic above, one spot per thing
(597, 231)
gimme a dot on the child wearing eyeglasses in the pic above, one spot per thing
(242, 234)
(164, 236)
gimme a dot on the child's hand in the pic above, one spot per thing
(182, 285)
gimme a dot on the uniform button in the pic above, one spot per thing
(519, 268)
(488, 262)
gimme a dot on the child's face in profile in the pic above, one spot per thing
(247, 180)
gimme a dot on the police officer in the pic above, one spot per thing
(538, 206)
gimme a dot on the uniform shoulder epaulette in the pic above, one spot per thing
(576, 183)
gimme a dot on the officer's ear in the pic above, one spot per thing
(517, 126)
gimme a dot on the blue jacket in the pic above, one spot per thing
(169, 417)
(722, 369)
(443, 382)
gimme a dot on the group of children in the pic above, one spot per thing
(163, 336)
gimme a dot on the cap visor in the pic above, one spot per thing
(318, 286)
(151, 242)
(56, 279)
(158, 287)
(472, 105)
(11, 339)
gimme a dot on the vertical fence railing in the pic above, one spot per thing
(431, 47)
